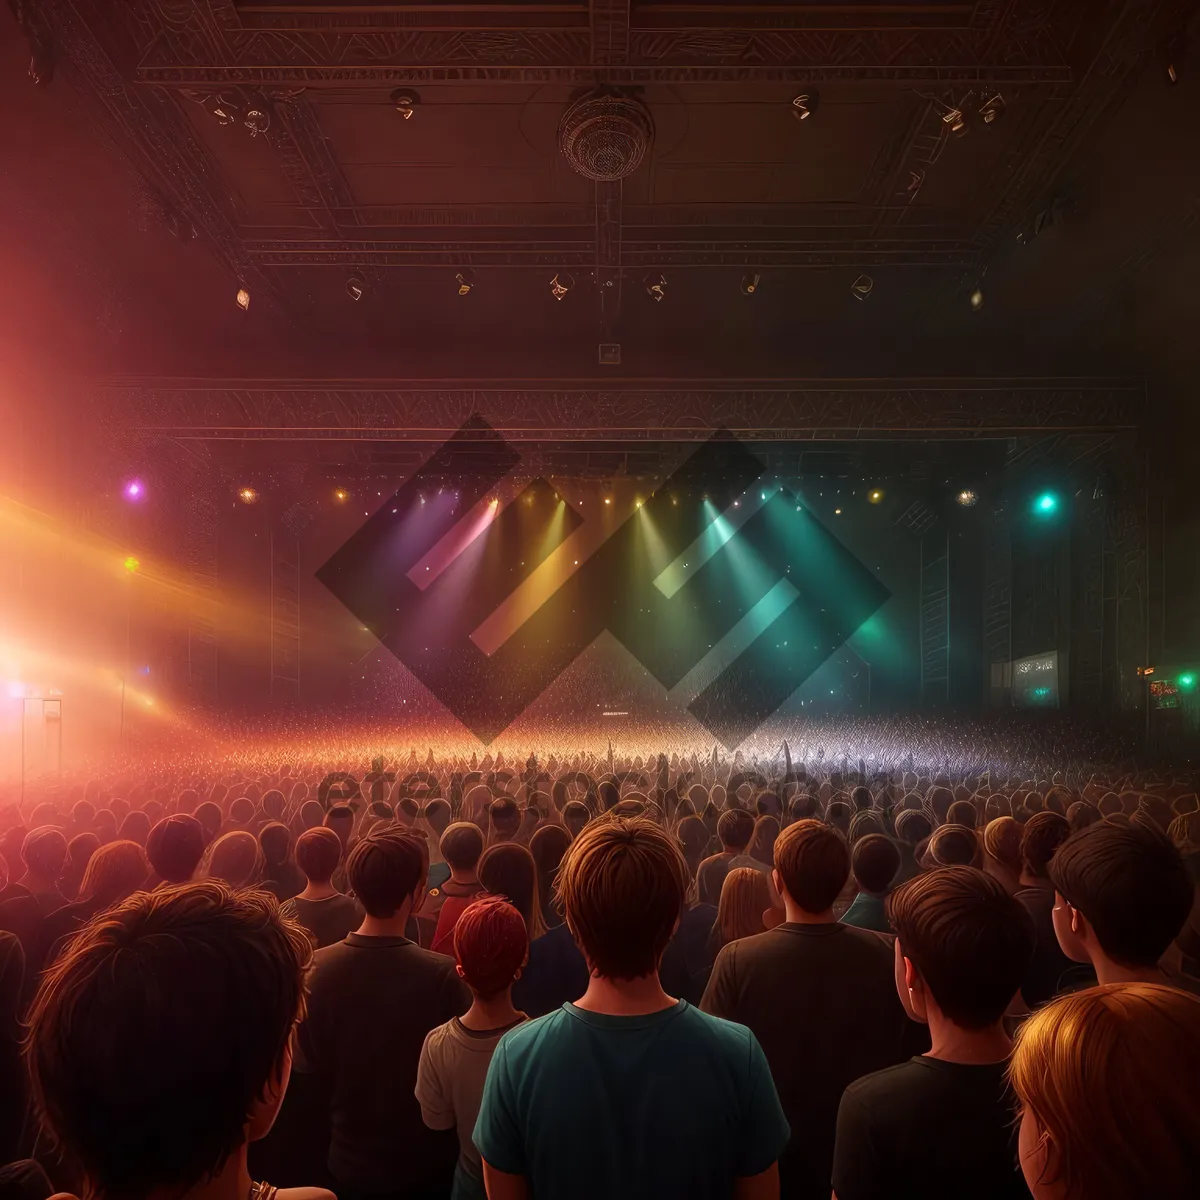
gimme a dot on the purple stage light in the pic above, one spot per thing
(134, 490)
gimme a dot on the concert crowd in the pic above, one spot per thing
(899, 961)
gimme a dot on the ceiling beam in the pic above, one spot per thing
(666, 248)
(627, 409)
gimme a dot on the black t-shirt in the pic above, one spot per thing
(928, 1130)
(821, 999)
(555, 974)
(371, 1002)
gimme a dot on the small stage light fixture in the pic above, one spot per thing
(131, 564)
(134, 490)
(967, 498)
(466, 281)
(875, 495)
(243, 299)
(247, 495)
(1046, 504)
(805, 104)
(656, 286)
(341, 495)
(991, 110)
(355, 287)
(405, 102)
(861, 287)
(977, 299)
(956, 122)
(561, 284)
(750, 284)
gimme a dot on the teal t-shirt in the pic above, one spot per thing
(594, 1107)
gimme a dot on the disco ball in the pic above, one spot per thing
(604, 137)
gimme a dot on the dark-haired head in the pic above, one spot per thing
(194, 983)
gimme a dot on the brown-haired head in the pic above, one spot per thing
(507, 869)
(387, 868)
(318, 852)
(968, 940)
(235, 858)
(115, 871)
(1106, 1079)
(1044, 832)
(461, 845)
(812, 861)
(622, 886)
(158, 1042)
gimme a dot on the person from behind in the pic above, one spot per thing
(1122, 895)
(575, 816)
(80, 849)
(491, 946)
(135, 1068)
(940, 1126)
(116, 870)
(548, 845)
(462, 848)
(43, 853)
(745, 909)
(839, 977)
(372, 999)
(629, 1091)
(1106, 1080)
(735, 829)
(1001, 843)
(504, 820)
(874, 863)
(281, 876)
(320, 908)
(1050, 970)
(234, 858)
(175, 847)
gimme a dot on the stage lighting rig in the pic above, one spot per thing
(656, 286)
(861, 288)
(561, 284)
(750, 284)
(465, 281)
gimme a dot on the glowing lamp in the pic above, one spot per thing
(134, 490)
(131, 564)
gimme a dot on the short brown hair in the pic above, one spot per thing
(1132, 886)
(154, 1034)
(1044, 832)
(461, 845)
(385, 869)
(113, 872)
(1097, 1070)
(622, 885)
(969, 940)
(813, 861)
(318, 852)
(735, 828)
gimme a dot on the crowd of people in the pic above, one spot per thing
(592, 975)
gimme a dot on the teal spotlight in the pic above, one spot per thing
(1046, 504)
(1187, 681)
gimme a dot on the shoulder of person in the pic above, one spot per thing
(883, 1088)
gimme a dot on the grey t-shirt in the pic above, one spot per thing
(450, 1076)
